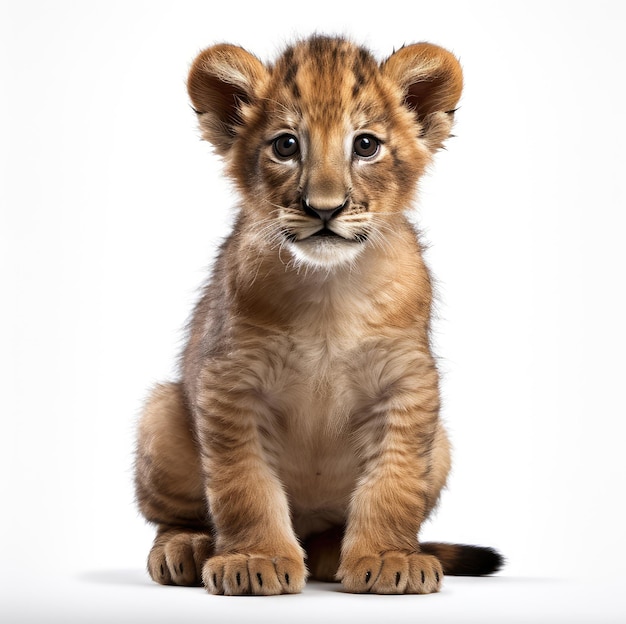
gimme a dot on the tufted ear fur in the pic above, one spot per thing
(221, 81)
(431, 81)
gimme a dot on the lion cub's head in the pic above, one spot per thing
(327, 144)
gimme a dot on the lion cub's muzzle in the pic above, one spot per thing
(325, 217)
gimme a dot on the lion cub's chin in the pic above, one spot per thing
(325, 253)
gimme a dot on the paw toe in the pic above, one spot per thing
(157, 566)
(213, 576)
(180, 561)
(394, 575)
(291, 574)
(263, 578)
(425, 574)
(358, 576)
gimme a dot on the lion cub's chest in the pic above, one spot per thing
(313, 403)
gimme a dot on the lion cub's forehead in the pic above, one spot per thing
(324, 77)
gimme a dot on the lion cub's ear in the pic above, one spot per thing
(221, 81)
(431, 81)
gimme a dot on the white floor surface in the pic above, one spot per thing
(128, 596)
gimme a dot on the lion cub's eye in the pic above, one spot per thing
(286, 146)
(366, 146)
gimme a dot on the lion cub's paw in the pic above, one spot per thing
(391, 573)
(239, 574)
(177, 557)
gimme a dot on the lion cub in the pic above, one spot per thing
(305, 429)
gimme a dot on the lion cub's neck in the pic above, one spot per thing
(387, 285)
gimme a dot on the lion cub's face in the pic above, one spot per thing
(326, 145)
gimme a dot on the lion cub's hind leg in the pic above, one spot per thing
(170, 489)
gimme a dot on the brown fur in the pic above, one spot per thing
(308, 409)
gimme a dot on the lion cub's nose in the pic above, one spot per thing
(325, 214)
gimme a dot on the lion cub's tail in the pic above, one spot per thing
(463, 560)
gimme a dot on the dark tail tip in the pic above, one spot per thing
(464, 560)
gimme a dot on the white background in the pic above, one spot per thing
(110, 212)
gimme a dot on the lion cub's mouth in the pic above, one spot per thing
(325, 233)
(329, 235)
(325, 244)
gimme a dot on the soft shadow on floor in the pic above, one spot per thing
(116, 577)
(140, 578)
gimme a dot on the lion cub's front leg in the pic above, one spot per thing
(256, 548)
(402, 444)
